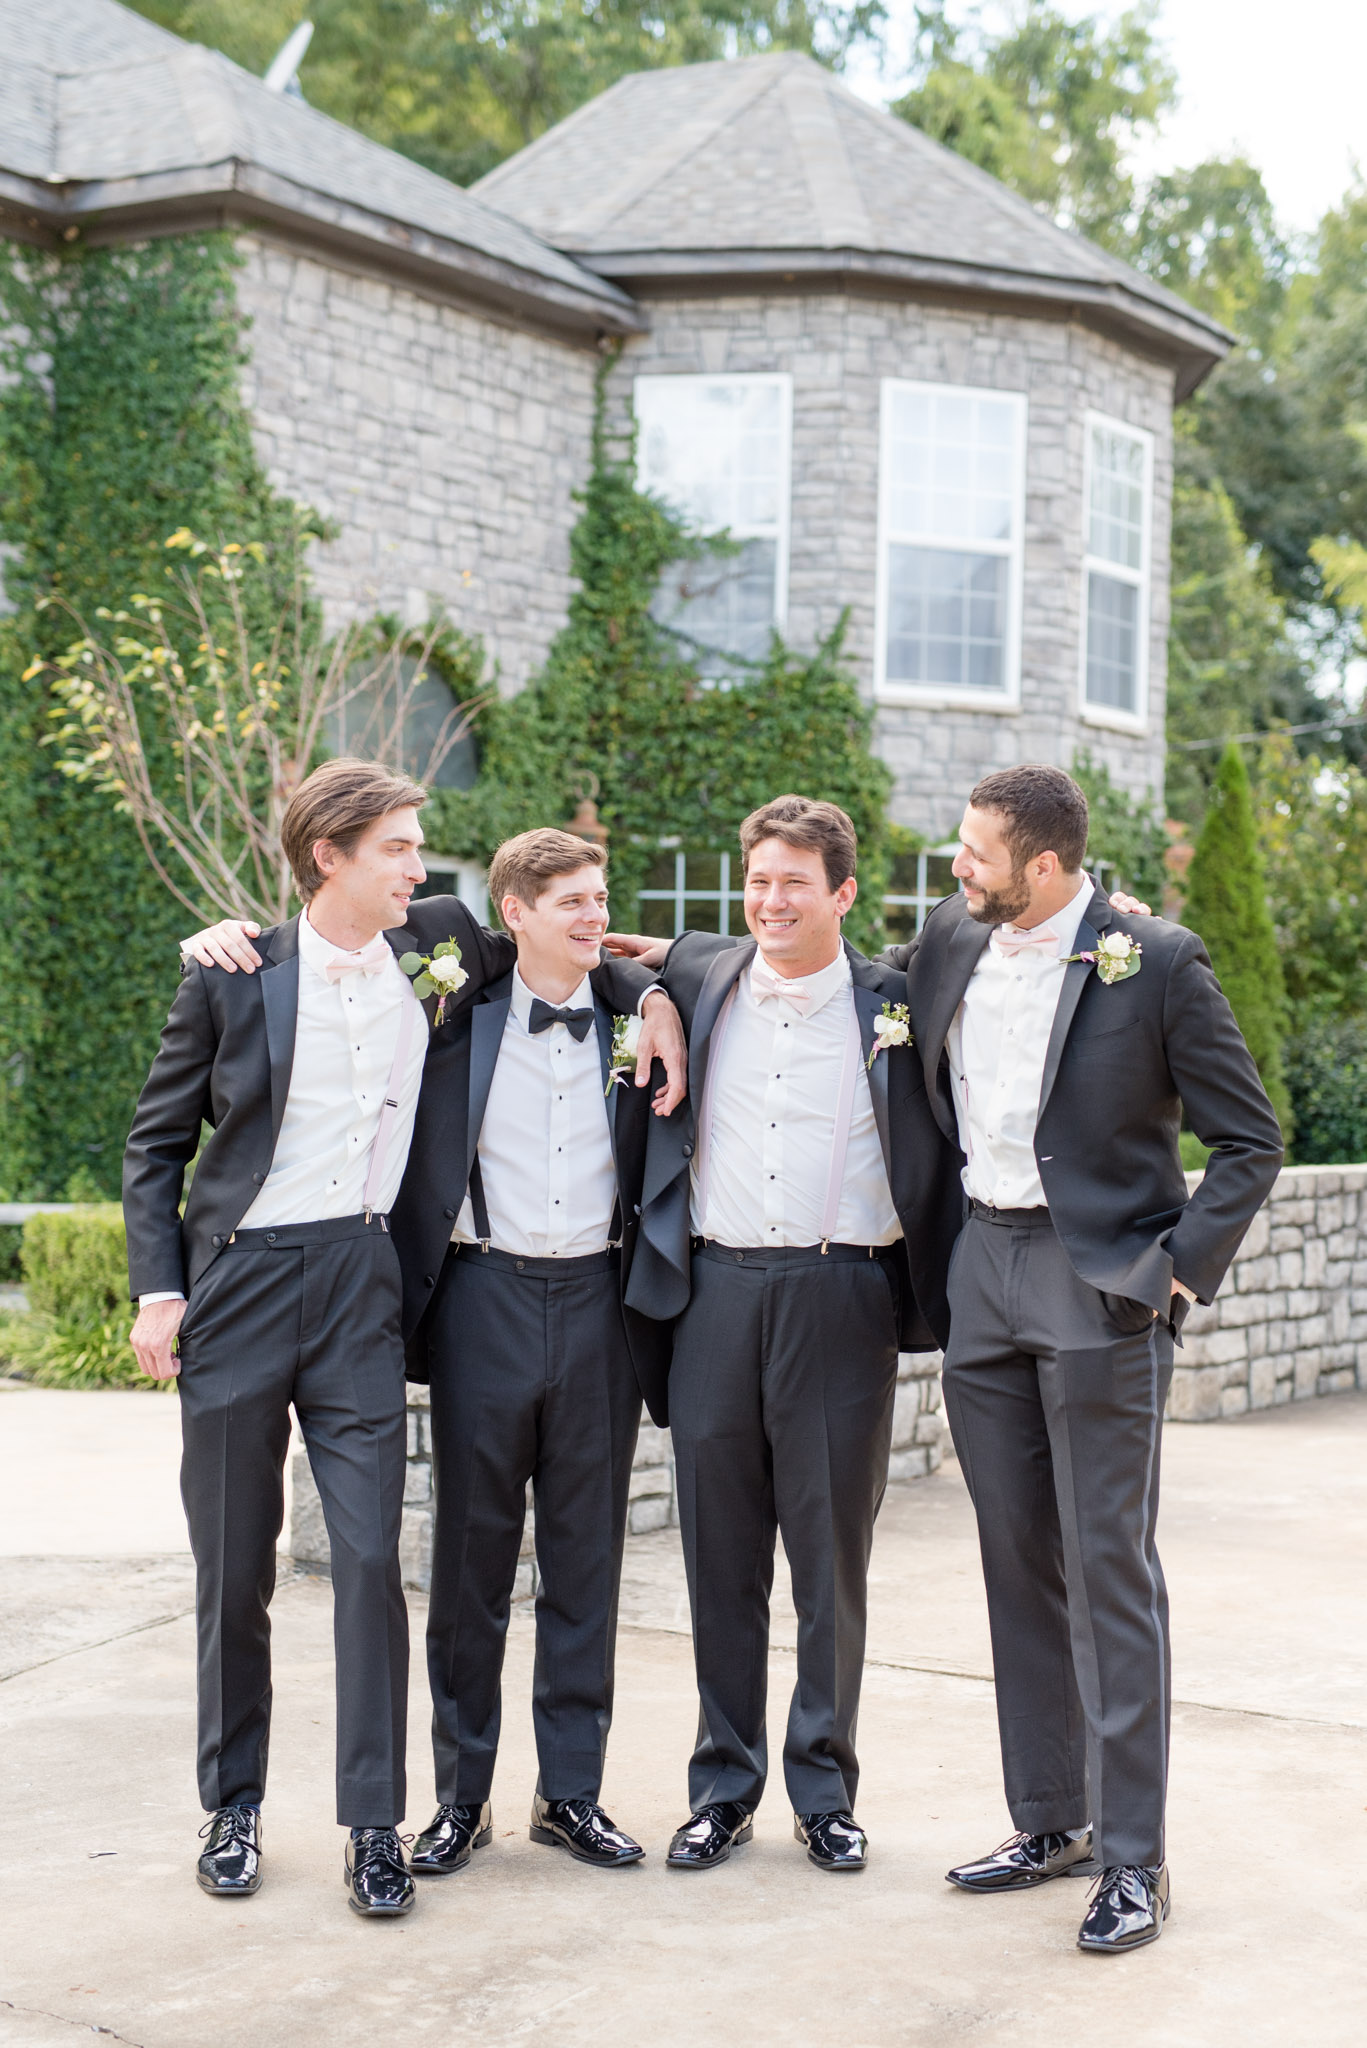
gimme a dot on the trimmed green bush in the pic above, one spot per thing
(76, 1275)
(1326, 1069)
(1227, 904)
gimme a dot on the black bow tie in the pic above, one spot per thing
(577, 1022)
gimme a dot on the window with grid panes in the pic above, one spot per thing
(716, 449)
(951, 530)
(693, 892)
(1116, 570)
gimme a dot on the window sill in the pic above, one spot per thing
(1115, 721)
(945, 700)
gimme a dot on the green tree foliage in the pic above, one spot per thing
(1048, 104)
(618, 712)
(461, 84)
(1227, 904)
(1312, 831)
(1210, 235)
(120, 419)
(1125, 836)
(1326, 1068)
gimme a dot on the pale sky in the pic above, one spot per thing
(1284, 84)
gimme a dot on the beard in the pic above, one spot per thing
(1004, 906)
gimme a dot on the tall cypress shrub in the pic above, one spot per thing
(1227, 904)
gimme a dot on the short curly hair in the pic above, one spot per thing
(1042, 811)
(803, 821)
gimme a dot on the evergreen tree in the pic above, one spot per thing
(1227, 904)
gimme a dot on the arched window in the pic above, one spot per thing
(405, 712)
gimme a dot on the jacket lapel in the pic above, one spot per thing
(400, 941)
(966, 946)
(487, 1020)
(602, 1022)
(280, 1002)
(868, 1003)
(721, 977)
(1075, 976)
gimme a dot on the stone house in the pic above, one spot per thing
(903, 390)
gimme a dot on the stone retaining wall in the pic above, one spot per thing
(917, 1429)
(1290, 1321)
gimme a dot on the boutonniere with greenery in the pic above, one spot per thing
(626, 1036)
(438, 973)
(1116, 957)
(891, 1027)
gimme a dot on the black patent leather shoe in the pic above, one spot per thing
(833, 1841)
(376, 1874)
(710, 1836)
(585, 1830)
(1127, 1909)
(1025, 1860)
(230, 1867)
(450, 1838)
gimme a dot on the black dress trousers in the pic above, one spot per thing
(780, 1406)
(1055, 1397)
(304, 1313)
(531, 1379)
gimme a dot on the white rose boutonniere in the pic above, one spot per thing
(438, 973)
(891, 1027)
(626, 1037)
(1116, 957)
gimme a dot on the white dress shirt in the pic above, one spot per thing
(545, 1156)
(997, 1047)
(345, 1036)
(774, 1096)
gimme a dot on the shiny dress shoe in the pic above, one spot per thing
(833, 1841)
(449, 1840)
(230, 1867)
(1127, 1909)
(584, 1829)
(710, 1836)
(376, 1875)
(1025, 1860)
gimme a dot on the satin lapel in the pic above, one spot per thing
(602, 1021)
(280, 1002)
(487, 1020)
(868, 1002)
(720, 978)
(1075, 977)
(965, 949)
(401, 941)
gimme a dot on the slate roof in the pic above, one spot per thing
(111, 125)
(769, 165)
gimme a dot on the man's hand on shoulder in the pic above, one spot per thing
(154, 1334)
(635, 946)
(662, 1038)
(1129, 906)
(226, 944)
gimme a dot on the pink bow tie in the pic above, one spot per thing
(367, 959)
(1008, 939)
(765, 983)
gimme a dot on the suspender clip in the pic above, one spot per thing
(367, 1215)
(484, 1244)
(825, 1246)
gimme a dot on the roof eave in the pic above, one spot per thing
(1193, 344)
(234, 193)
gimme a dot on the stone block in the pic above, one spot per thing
(929, 1429)
(1337, 1382)
(651, 1481)
(1195, 1395)
(1290, 1265)
(653, 1446)
(308, 1543)
(524, 1580)
(1300, 1210)
(417, 1481)
(1253, 1276)
(414, 1438)
(910, 1464)
(1239, 1311)
(1262, 1383)
(1218, 1348)
(415, 1548)
(645, 1515)
(1258, 1238)
(1316, 1257)
(419, 1397)
(1233, 1401)
(1305, 1374)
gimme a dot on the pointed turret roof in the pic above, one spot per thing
(111, 126)
(770, 166)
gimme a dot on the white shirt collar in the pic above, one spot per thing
(822, 985)
(522, 998)
(1066, 921)
(315, 950)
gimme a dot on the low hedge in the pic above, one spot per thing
(76, 1276)
(1326, 1071)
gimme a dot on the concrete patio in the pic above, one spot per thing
(1265, 1530)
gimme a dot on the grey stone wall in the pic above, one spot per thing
(916, 1449)
(1290, 1321)
(837, 349)
(445, 445)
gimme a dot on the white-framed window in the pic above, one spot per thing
(1117, 521)
(916, 883)
(950, 545)
(698, 892)
(447, 876)
(718, 451)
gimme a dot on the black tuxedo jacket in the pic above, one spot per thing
(225, 1059)
(699, 973)
(455, 1093)
(1122, 1062)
